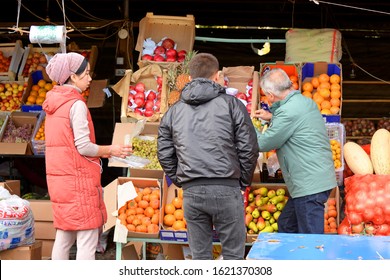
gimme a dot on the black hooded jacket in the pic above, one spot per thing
(207, 137)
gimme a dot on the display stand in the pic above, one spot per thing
(118, 255)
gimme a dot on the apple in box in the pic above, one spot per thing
(159, 50)
(168, 43)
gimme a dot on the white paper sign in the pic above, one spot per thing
(125, 192)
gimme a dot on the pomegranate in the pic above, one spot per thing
(151, 96)
(182, 53)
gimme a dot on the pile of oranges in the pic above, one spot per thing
(174, 214)
(325, 90)
(38, 92)
(40, 135)
(330, 216)
(142, 214)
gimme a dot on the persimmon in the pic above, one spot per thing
(333, 225)
(154, 203)
(146, 221)
(130, 227)
(146, 190)
(153, 196)
(156, 192)
(131, 211)
(139, 210)
(139, 197)
(132, 204)
(143, 204)
(141, 228)
(152, 228)
(136, 221)
(130, 219)
(122, 209)
(155, 219)
(149, 211)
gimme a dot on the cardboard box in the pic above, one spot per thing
(19, 119)
(16, 51)
(26, 252)
(170, 191)
(44, 230)
(252, 237)
(41, 209)
(147, 75)
(13, 186)
(112, 200)
(120, 130)
(310, 70)
(179, 29)
(238, 78)
(47, 248)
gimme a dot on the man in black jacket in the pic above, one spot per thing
(207, 145)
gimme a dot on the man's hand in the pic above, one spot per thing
(263, 114)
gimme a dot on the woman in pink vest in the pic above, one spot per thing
(73, 167)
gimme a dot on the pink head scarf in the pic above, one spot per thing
(62, 65)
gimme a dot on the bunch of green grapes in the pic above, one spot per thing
(147, 149)
(257, 124)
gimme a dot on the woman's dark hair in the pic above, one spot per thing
(82, 67)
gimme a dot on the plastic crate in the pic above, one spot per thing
(38, 146)
(336, 131)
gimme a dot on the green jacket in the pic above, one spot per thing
(297, 131)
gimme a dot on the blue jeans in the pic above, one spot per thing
(220, 206)
(304, 214)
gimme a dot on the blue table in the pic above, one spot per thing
(291, 246)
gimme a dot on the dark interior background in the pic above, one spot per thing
(365, 28)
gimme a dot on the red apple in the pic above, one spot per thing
(159, 80)
(140, 95)
(149, 104)
(147, 57)
(139, 87)
(158, 57)
(171, 53)
(148, 112)
(241, 95)
(159, 50)
(171, 59)
(151, 96)
(168, 43)
(180, 58)
(182, 53)
(139, 102)
(138, 112)
(250, 83)
(249, 107)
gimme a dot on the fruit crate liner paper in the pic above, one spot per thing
(125, 193)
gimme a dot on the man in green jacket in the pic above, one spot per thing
(297, 131)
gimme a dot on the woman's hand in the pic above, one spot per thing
(263, 114)
(121, 151)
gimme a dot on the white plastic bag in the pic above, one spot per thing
(16, 221)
